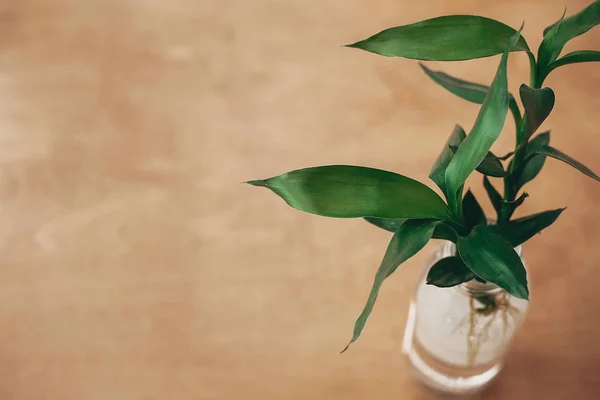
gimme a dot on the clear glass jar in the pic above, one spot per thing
(455, 338)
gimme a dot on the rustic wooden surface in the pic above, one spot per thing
(136, 266)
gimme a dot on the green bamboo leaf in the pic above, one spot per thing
(576, 57)
(491, 165)
(559, 155)
(549, 49)
(538, 104)
(448, 272)
(487, 128)
(438, 171)
(533, 162)
(411, 237)
(520, 230)
(492, 258)
(345, 191)
(473, 92)
(472, 211)
(447, 38)
(559, 33)
(443, 231)
(495, 197)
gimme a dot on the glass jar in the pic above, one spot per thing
(455, 338)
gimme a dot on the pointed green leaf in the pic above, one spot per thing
(492, 258)
(559, 33)
(534, 162)
(448, 272)
(345, 191)
(491, 165)
(576, 57)
(549, 48)
(493, 194)
(438, 171)
(443, 230)
(538, 104)
(559, 155)
(487, 128)
(472, 211)
(473, 92)
(411, 237)
(447, 38)
(520, 230)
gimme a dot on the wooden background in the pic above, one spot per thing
(134, 265)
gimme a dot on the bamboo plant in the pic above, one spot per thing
(413, 211)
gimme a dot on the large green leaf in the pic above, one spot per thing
(411, 237)
(559, 155)
(495, 197)
(492, 258)
(447, 38)
(487, 128)
(532, 164)
(571, 27)
(448, 272)
(473, 92)
(444, 230)
(538, 104)
(345, 191)
(472, 211)
(520, 230)
(438, 171)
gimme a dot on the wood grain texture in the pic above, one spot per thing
(135, 265)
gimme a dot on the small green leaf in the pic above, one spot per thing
(549, 48)
(411, 237)
(491, 165)
(448, 272)
(506, 156)
(538, 104)
(438, 171)
(472, 211)
(567, 29)
(511, 206)
(473, 92)
(518, 201)
(447, 38)
(492, 258)
(487, 128)
(576, 57)
(533, 163)
(444, 230)
(345, 191)
(520, 230)
(493, 194)
(559, 155)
